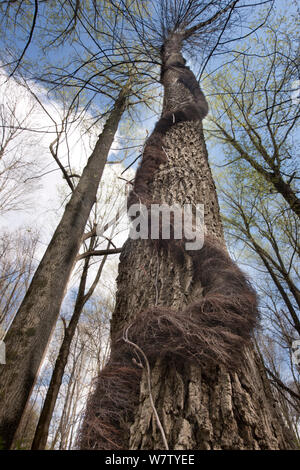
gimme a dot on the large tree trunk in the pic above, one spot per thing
(208, 406)
(28, 337)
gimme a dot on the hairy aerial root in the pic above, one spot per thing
(212, 330)
(110, 407)
(215, 327)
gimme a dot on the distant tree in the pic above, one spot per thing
(28, 336)
(256, 116)
(17, 265)
(257, 129)
(18, 157)
(85, 291)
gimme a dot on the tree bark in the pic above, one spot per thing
(208, 407)
(28, 337)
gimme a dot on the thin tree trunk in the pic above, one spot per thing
(28, 337)
(68, 402)
(41, 434)
(199, 407)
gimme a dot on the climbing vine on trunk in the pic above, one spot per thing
(212, 329)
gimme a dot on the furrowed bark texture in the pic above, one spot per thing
(28, 337)
(182, 309)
